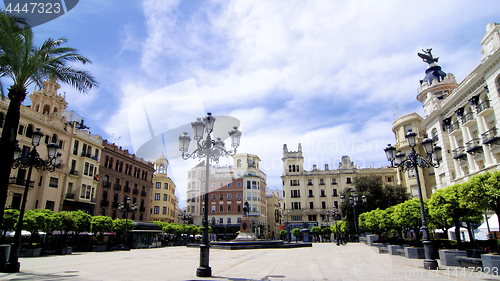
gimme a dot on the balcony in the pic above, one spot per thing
(135, 191)
(144, 193)
(490, 136)
(114, 204)
(69, 196)
(104, 203)
(126, 188)
(483, 108)
(20, 182)
(467, 119)
(117, 187)
(73, 172)
(473, 145)
(454, 129)
(459, 153)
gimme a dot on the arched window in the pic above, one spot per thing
(289, 168)
(238, 163)
(293, 168)
(54, 138)
(106, 162)
(46, 109)
(29, 131)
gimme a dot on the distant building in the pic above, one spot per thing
(274, 203)
(164, 201)
(309, 195)
(123, 176)
(229, 188)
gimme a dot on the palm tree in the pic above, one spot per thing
(27, 64)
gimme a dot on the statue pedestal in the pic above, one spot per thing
(246, 233)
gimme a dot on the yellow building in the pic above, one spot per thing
(274, 203)
(164, 202)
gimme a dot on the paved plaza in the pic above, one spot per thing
(324, 261)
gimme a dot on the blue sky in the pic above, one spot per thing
(322, 73)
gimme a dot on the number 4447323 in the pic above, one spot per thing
(40, 8)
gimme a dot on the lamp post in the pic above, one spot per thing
(335, 213)
(211, 150)
(411, 163)
(30, 161)
(353, 201)
(184, 217)
(126, 207)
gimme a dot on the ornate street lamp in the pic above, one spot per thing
(411, 163)
(126, 207)
(211, 150)
(353, 201)
(30, 161)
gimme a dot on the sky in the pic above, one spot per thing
(327, 74)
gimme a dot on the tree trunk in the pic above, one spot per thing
(457, 234)
(8, 142)
(469, 230)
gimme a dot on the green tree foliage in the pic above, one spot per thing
(65, 222)
(296, 232)
(83, 222)
(316, 231)
(119, 225)
(38, 220)
(99, 225)
(483, 192)
(26, 64)
(339, 227)
(283, 234)
(9, 221)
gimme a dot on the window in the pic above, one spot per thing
(311, 217)
(86, 169)
(323, 193)
(156, 210)
(221, 220)
(238, 220)
(229, 209)
(296, 205)
(238, 196)
(54, 182)
(254, 185)
(49, 205)
(221, 208)
(229, 197)
(334, 181)
(214, 185)
(249, 185)
(228, 184)
(294, 183)
(91, 170)
(310, 193)
(311, 205)
(164, 210)
(295, 193)
(165, 186)
(213, 209)
(323, 205)
(238, 184)
(321, 181)
(213, 197)
(221, 196)
(238, 163)
(334, 192)
(20, 131)
(157, 196)
(296, 218)
(309, 182)
(75, 147)
(165, 198)
(348, 180)
(228, 220)
(158, 185)
(335, 204)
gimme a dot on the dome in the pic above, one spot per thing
(433, 72)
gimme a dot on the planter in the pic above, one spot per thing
(370, 239)
(30, 252)
(414, 253)
(4, 255)
(67, 250)
(447, 257)
(101, 248)
(393, 249)
(491, 263)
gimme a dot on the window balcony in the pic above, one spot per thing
(126, 188)
(117, 187)
(483, 108)
(143, 193)
(135, 191)
(20, 182)
(473, 145)
(106, 184)
(142, 209)
(73, 172)
(69, 196)
(459, 153)
(104, 203)
(490, 136)
(454, 129)
(467, 119)
(114, 204)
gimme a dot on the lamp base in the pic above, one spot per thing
(430, 264)
(12, 267)
(204, 271)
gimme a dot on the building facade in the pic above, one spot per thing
(462, 118)
(229, 188)
(123, 176)
(274, 203)
(308, 196)
(164, 202)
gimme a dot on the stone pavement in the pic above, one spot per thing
(324, 261)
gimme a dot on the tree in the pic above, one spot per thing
(316, 231)
(119, 225)
(296, 232)
(83, 222)
(283, 234)
(99, 225)
(9, 221)
(483, 192)
(326, 232)
(27, 64)
(38, 220)
(408, 215)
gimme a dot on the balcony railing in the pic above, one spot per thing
(135, 191)
(490, 136)
(127, 188)
(459, 152)
(467, 117)
(144, 193)
(106, 184)
(21, 182)
(73, 172)
(117, 187)
(482, 106)
(453, 127)
(69, 196)
(104, 203)
(473, 145)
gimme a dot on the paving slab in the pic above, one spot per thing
(323, 261)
